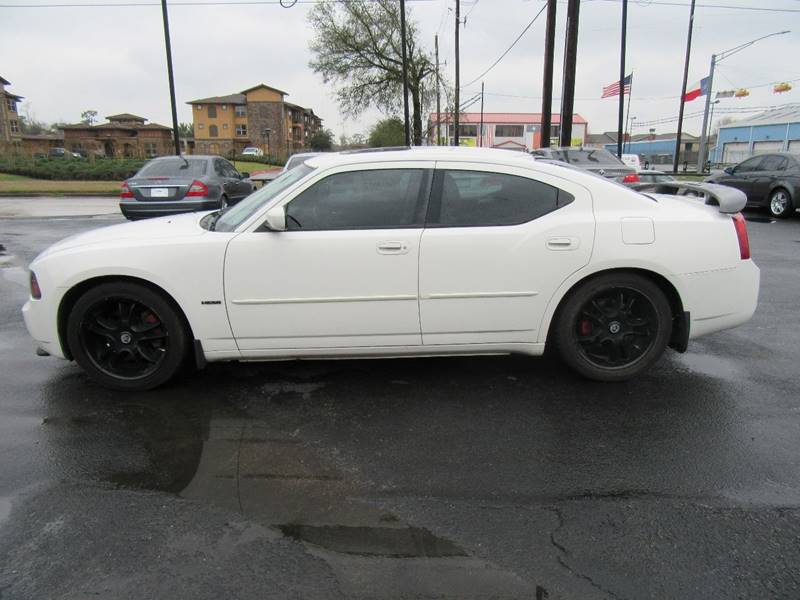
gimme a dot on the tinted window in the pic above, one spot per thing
(591, 156)
(751, 164)
(774, 162)
(177, 167)
(476, 198)
(359, 200)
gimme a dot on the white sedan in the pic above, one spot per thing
(428, 251)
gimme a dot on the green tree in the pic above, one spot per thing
(387, 132)
(185, 130)
(88, 117)
(321, 141)
(356, 46)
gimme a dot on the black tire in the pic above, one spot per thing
(613, 327)
(780, 203)
(126, 336)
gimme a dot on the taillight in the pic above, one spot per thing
(36, 291)
(741, 234)
(631, 178)
(198, 188)
(125, 191)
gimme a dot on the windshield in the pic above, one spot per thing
(239, 213)
(174, 167)
(591, 156)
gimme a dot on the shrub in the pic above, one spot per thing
(105, 169)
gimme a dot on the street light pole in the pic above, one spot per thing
(171, 77)
(716, 58)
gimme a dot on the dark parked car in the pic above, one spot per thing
(597, 160)
(770, 181)
(177, 184)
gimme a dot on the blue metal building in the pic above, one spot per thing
(658, 150)
(771, 131)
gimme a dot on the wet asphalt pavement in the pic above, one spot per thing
(502, 477)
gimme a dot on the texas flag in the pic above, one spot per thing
(697, 89)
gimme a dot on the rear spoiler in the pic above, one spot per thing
(728, 199)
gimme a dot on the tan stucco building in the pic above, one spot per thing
(258, 116)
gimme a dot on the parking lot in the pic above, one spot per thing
(474, 477)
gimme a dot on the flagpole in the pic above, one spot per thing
(676, 158)
(628, 116)
(621, 110)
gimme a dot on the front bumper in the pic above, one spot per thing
(40, 323)
(136, 209)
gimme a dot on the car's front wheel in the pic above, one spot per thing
(126, 336)
(613, 327)
(780, 204)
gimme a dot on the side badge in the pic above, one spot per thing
(211, 302)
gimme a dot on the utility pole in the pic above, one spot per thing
(622, 77)
(676, 158)
(405, 71)
(480, 132)
(175, 134)
(547, 80)
(458, 76)
(715, 58)
(438, 96)
(570, 61)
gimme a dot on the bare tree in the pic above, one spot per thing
(357, 48)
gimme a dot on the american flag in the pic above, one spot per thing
(613, 88)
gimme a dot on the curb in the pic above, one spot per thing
(56, 194)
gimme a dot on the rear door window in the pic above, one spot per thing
(774, 162)
(484, 199)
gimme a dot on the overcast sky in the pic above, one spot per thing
(66, 60)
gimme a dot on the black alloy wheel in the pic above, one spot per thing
(613, 327)
(616, 327)
(126, 336)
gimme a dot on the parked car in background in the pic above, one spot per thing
(770, 181)
(421, 251)
(632, 160)
(252, 151)
(298, 159)
(596, 160)
(177, 184)
(651, 176)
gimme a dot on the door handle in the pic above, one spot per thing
(562, 243)
(392, 248)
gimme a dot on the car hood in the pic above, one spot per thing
(143, 232)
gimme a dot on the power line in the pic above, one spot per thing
(283, 3)
(730, 6)
(514, 43)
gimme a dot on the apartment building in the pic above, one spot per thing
(258, 116)
(10, 126)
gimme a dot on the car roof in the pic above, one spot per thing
(430, 153)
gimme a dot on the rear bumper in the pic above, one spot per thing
(721, 299)
(142, 210)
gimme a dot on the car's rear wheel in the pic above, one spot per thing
(613, 327)
(126, 336)
(780, 203)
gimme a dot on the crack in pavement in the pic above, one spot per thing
(561, 558)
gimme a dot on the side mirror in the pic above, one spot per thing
(276, 218)
(244, 175)
(728, 170)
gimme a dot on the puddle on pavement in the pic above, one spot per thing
(5, 508)
(710, 365)
(276, 478)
